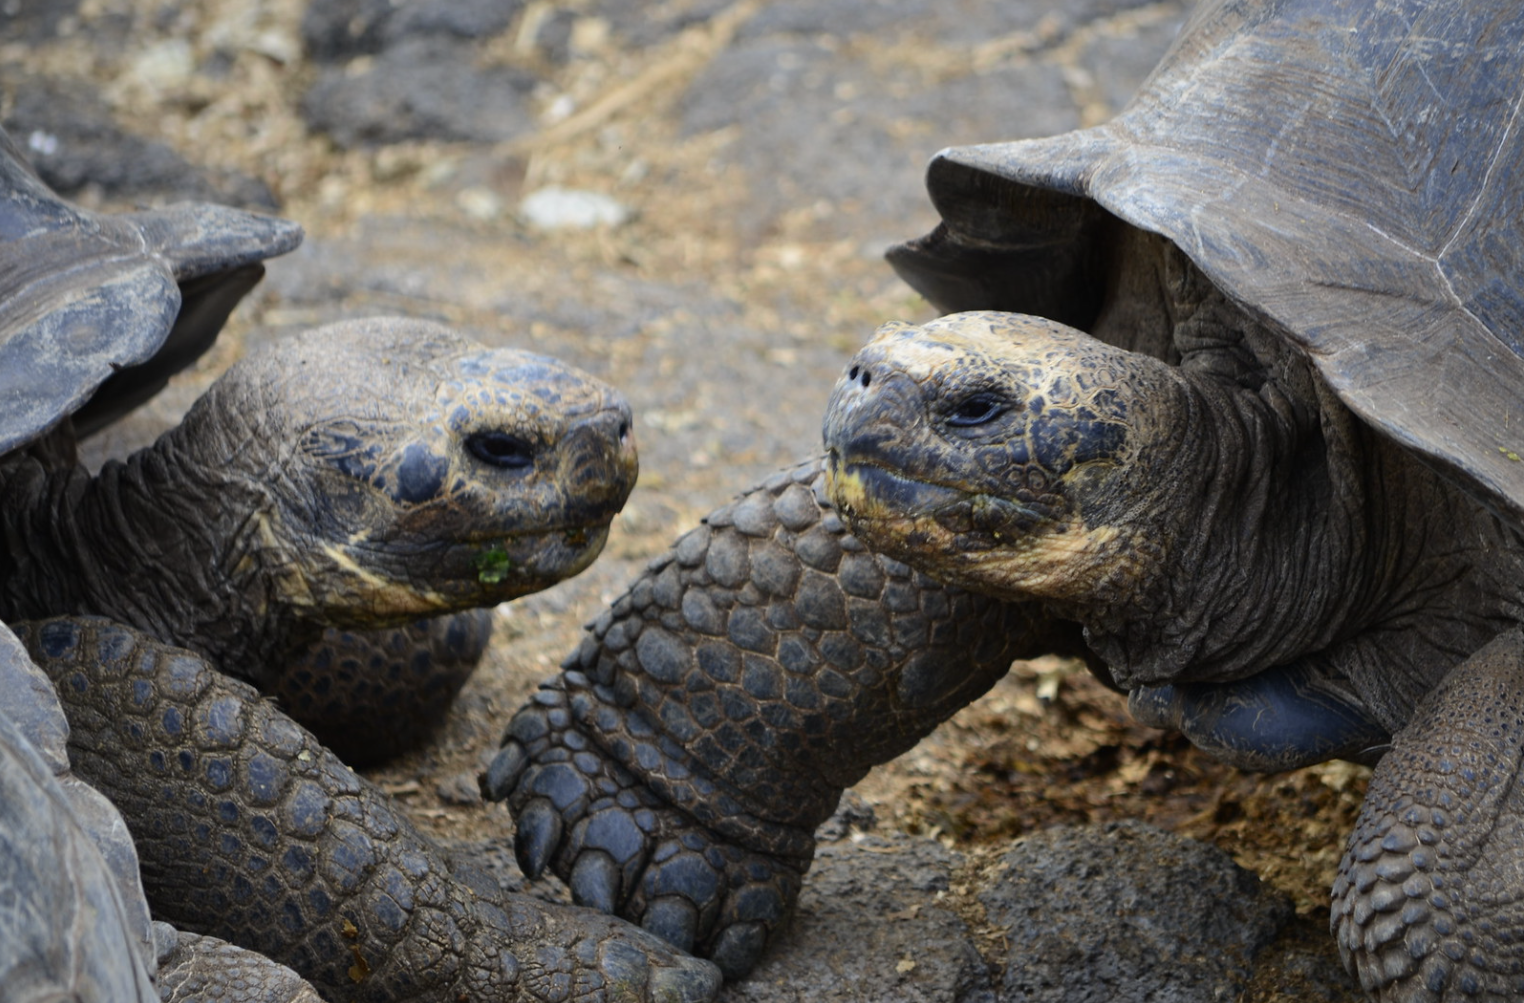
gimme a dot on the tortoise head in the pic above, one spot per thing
(996, 451)
(403, 470)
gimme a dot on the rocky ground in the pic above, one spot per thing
(691, 199)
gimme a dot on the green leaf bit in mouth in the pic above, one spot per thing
(493, 565)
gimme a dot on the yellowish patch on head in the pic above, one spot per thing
(1048, 565)
(922, 352)
(384, 597)
(1056, 562)
(849, 494)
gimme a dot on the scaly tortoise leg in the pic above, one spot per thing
(1429, 905)
(676, 770)
(197, 969)
(251, 831)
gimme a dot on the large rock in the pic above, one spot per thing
(338, 30)
(72, 140)
(874, 923)
(421, 88)
(1127, 913)
(423, 77)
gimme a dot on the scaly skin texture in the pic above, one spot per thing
(1428, 905)
(372, 694)
(676, 770)
(197, 969)
(358, 476)
(251, 831)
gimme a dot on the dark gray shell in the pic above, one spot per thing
(96, 312)
(1351, 170)
(73, 920)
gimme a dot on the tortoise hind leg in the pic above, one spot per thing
(1428, 905)
(370, 695)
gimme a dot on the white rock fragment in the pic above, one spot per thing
(165, 65)
(571, 209)
(480, 203)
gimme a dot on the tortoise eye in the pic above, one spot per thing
(980, 409)
(499, 449)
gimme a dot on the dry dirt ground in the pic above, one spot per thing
(748, 270)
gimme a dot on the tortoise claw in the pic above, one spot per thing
(739, 948)
(538, 836)
(503, 773)
(594, 881)
(688, 980)
(674, 919)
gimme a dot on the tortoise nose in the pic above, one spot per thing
(854, 386)
(870, 392)
(601, 459)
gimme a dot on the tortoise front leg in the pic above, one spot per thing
(1429, 902)
(251, 831)
(675, 772)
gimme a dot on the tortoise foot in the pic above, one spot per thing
(676, 770)
(621, 849)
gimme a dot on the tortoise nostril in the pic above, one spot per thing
(866, 378)
(852, 374)
(624, 429)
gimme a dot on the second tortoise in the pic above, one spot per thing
(1227, 403)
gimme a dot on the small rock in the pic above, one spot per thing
(459, 789)
(424, 88)
(165, 65)
(852, 815)
(72, 140)
(480, 203)
(571, 209)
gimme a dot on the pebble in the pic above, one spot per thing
(571, 209)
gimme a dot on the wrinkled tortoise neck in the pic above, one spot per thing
(158, 541)
(1268, 513)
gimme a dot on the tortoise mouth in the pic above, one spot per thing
(985, 543)
(376, 586)
(868, 492)
(527, 562)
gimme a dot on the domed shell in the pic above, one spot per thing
(1352, 171)
(123, 300)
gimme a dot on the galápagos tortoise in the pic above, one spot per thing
(359, 475)
(1232, 419)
